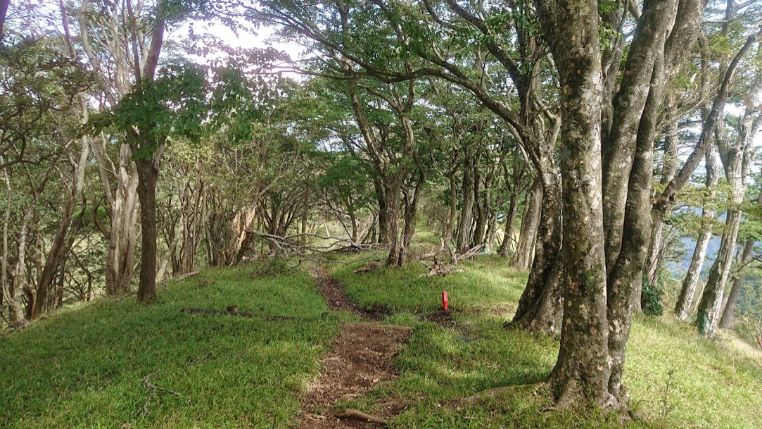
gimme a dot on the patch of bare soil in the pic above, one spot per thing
(334, 294)
(360, 358)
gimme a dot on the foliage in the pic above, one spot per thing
(652, 298)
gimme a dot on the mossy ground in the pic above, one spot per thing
(95, 366)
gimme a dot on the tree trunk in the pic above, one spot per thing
(59, 248)
(668, 170)
(451, 212)
(624, 282)
(728, 314)
(708, 313)
(506, 246)
(529, 224)
(392, 193)
(684, 303)
(10, 293)
(411, 215)
(383, 220)
(464, 225)
(123, 210)
(540, 305)
(147, 178)
(735, 161)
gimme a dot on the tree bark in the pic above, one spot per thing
(147, 178)
(540, 306)
(467, 190)
(582, 370)
(735, 161)
(728, 314)
(10, 291)
(58, 248)
(522, 259)
(668, 169)
(684, 303)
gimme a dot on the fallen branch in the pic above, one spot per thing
(351, 413)
(440, 269)
(297, 245)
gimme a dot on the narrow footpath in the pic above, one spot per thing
(361, 357)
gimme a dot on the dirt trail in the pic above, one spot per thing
(361, 357)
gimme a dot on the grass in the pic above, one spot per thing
(120, 364)
(676, 379)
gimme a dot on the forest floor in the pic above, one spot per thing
(114, 363)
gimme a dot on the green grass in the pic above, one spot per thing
(710, 387)
(88, 367)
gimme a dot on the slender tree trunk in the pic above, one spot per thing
(728, 314)
(147, 176)
(451, 212)
(10, 292)
(392, 193)
(624, 282)
(735, 161)
(383, 222)
(123, 210)
(506, 246)
(708, 313)
(464, 225)
(58, 248)
(411, 215)
(668, 170)
(522, 259)
(684, 303)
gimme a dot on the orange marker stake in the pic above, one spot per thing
(445, 302)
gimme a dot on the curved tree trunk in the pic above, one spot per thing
(540, 305)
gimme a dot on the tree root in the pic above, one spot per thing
(351, 413)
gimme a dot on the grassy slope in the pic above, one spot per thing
(709, 387)
(87, 367)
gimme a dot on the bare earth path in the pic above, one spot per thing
(361, 357)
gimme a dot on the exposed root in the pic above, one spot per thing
(351, 413)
